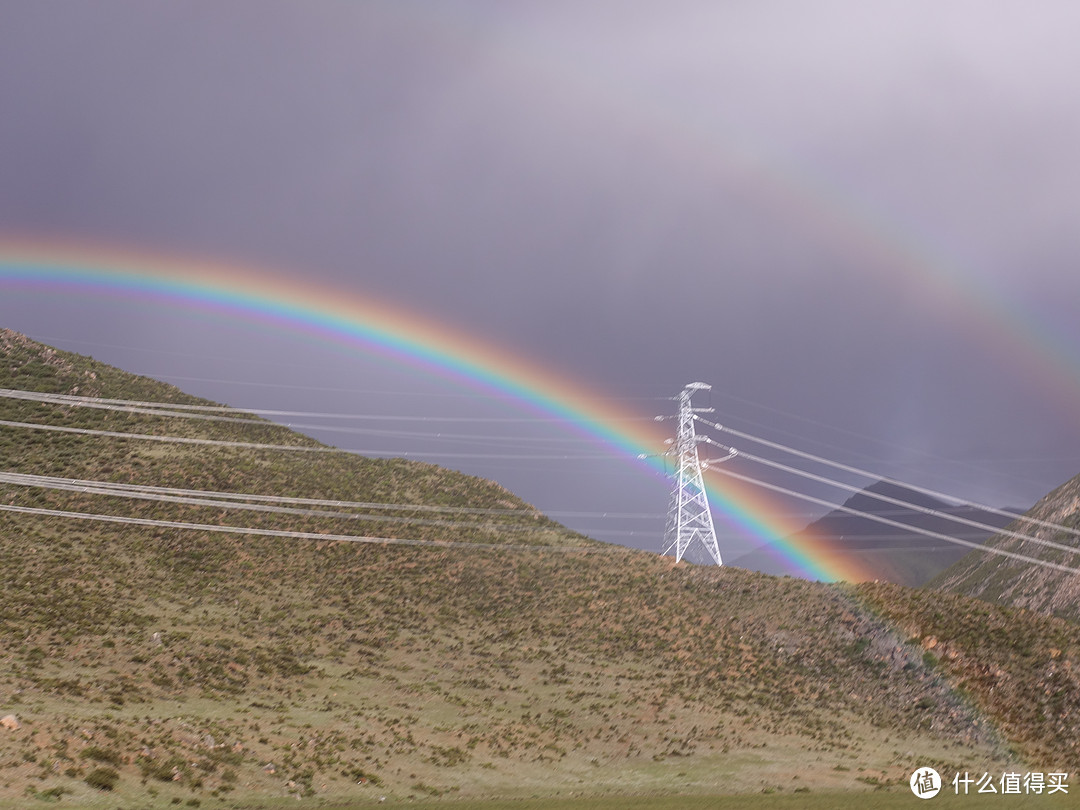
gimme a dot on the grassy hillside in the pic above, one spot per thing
(1004, 581)
(30, 366)
(1016, 666)
(149, 666)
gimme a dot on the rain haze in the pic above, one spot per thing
(858, 222)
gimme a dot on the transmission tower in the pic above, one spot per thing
(689, 519)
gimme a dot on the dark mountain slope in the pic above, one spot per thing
(890, 553)
(1008, 582)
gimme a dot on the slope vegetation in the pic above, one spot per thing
(147, 665)
(1004, 581)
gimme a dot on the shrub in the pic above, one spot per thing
(99, 754)
(102, 778)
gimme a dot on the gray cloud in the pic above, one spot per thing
(815, 207)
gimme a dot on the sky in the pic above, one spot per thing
(858, 222)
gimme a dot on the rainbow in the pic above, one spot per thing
(355, 322)
(700, 139)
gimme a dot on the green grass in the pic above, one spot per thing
(1017, 666)
(802, 801)
(191, 662)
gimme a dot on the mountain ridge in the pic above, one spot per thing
(1001, 580)
(885, 551)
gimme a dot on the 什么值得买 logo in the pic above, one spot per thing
(925, 783)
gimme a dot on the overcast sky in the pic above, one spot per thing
(858, 221)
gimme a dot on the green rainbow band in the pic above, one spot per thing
(359, 323)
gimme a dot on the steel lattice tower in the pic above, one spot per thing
(689, 519)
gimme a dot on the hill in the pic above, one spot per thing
(888, 552)
(1004, 581)
(481, 651)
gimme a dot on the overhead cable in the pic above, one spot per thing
(418, 456)
(209, 413)
(104, 402)
(295, 535)
(263, 507)
(340, 504)
(908, 504)
(868, 474)
(897, 524)
(78, 484)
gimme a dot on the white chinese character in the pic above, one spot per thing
(986, 784)
(967, 781)
(1033, 783)
(1056, 783)
(1010, 783)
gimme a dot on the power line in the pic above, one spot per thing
(108, 404)
(135, 405)
(909, 505)
(868, 474)
(686, 448)
(216, 413)
(407, 454)
(115, 434)
(84, 488)
(240, 496)
(472, 396)
(300, 448)
(966, 463)
(897, 524)
(211, 413)
(78, 484)
(296, 535)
